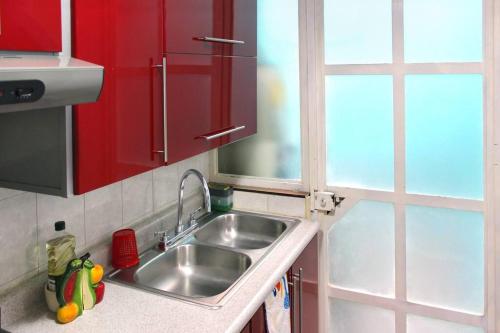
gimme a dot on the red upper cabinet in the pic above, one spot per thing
(224, 27)
(211, 101)
(211, 48)
(30, 25)
(194, 104)
(116, 137)
(209, 92)
(189, 22)
(240, 27)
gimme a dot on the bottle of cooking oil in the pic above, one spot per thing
(60, 251)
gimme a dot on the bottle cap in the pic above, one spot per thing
(60, 225)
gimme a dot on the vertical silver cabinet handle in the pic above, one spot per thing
(297, 285)
(220, 40)
(300, 277)
(164, 75)
(163, 67)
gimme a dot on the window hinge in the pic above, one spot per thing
(326, 202)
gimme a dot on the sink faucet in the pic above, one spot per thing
(168, 238)
(206, 198)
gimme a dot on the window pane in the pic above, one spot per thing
(417, 324)
(445, 263)
(359, 129)
(361, 249)
(275, 151)
(444, 135)
(358, 31)
(443, 30)
(349, 317)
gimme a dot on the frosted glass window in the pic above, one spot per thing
(349, 317)
(359, 130)
(443, 30)
(417, 324)
(361, 249)
(358, 31)
(445, 263)
(275, 152)
(444, 135)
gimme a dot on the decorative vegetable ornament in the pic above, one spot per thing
(81, 289)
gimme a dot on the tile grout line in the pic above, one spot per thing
(152, 195)
(122, 203)
(13, 196)
(153, 189)
(37, 232)
(84, 220)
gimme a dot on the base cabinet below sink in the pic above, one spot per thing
(258, 322)
(308, 261)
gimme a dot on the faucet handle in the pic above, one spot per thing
(192, 216)
(163, 235)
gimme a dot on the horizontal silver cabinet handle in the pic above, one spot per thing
(220, 40)
(218, 135)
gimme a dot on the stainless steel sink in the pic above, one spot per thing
(193, 270)
(207, 265)
(241, 231)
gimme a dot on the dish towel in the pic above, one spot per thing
(277, 306)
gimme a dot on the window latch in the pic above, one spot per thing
(326, 202)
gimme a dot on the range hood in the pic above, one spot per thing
(30, 82)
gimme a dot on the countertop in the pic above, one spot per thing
(126, 309)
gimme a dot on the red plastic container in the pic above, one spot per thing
(124, 249)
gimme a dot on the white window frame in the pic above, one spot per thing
(398, 70)
(312, 80)
(299, 185)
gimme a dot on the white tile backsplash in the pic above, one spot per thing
(103, 213)
(18, 236)
(250, 201)
(192, 183)
(204, 164)
(270, 203)
(286, 205)
(165, 184)
(27, 219)
(6, 193)
(137, 195)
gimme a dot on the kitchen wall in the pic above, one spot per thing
(271, 203)
(27, 219)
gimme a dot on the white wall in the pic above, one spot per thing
(27, 219)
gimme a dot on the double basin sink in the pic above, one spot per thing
(206, 265)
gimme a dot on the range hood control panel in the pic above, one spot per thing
(25, 91)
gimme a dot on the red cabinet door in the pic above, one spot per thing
(187, 22)
(258, 322)
(116, 136)
(240, 24)
(309, 318)
(193, 103)
(239, 96)
(30, 25)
